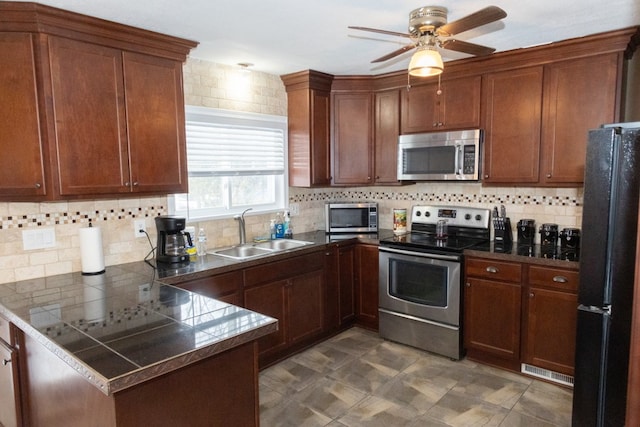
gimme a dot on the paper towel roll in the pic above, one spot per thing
(91, 254)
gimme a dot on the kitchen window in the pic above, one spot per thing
(235, 161)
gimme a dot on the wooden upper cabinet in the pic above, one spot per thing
(22, 173)
(386, 132)
(579, 95)
(308, 113)
(155, 124)
(100, 106)
(454, 104)
(352, 138)
(512, 113)
(89, 112)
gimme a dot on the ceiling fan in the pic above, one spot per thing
(428, 29)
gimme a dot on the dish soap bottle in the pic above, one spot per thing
(272, 229)
(288, 230)
(279, 227)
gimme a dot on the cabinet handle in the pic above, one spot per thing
(492, 269)
(38, 185)
(560, 279)
(5, 362)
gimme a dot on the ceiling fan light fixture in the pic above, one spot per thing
(426, 62)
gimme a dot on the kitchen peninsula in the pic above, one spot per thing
(124, 349)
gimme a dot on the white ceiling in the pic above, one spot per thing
(285, 36)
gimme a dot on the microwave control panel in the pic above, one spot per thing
(469, 159)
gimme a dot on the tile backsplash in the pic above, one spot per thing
(116, 220)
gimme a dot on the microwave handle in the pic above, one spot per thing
(459, 159)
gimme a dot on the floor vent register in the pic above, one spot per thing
(547, 374)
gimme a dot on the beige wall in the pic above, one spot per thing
(213, 85)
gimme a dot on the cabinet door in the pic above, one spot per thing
(579, 95)
(352, 138)
(347, 265)
(454, 104)
(492, 318)
(22, 162)
(419, 111)
(387, 130)
(309, 148)
(91, 134)
(551, 330)
(512, 112)
(305, 306)
(269, 299)
(155, 124)
(9, 386)
(367, 285)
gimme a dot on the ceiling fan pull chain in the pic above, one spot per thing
(439, 91)
(408, 82)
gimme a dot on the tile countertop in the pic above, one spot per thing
(124, 327)
(129, 325)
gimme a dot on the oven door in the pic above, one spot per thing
(424, 285)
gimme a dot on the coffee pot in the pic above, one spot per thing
(172, 240)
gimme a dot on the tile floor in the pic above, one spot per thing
(358, 379)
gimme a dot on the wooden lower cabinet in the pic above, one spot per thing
(550, 319)
(367, 286)
(520, 313)
(218, 391)
(226, 287)
(347, 287)
(292, 291)
(10, 390)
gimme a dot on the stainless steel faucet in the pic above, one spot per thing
(241, 228)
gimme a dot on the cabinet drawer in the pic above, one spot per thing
(493, 269)
(5, 333)
(215, 286)
(554, 278)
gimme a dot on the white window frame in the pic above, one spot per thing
(234, 118)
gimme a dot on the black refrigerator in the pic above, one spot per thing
(607, 267)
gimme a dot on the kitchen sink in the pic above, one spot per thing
(242, 252)
(249, 251)
(282, 244)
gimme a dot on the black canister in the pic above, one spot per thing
(526, 232)
(549, 234)
(570, 238)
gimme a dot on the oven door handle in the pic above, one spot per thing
(421, 254)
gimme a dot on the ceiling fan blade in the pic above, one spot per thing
(466, 47)
(483, 16)
(395, 53)
(375, 30)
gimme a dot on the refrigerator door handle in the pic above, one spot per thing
(596, 310)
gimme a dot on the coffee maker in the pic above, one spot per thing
(171, 240)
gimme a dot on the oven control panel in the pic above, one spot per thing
(454, 215)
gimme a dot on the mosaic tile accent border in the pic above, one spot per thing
(440, 198)
(79, 217)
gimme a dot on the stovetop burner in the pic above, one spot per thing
(466, 227)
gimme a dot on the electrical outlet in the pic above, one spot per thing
(294, 209)
(138, 225)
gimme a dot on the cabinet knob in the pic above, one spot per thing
(486, 176)
(492, 269)
(560, 279)
(135, 183)
(531, 295)
(548, 175)
(126, 184)
(38, 185)
(468, 284)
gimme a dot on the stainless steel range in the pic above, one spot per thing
(421, 277)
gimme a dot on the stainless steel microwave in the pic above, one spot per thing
(440, 156)
(347, 217)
